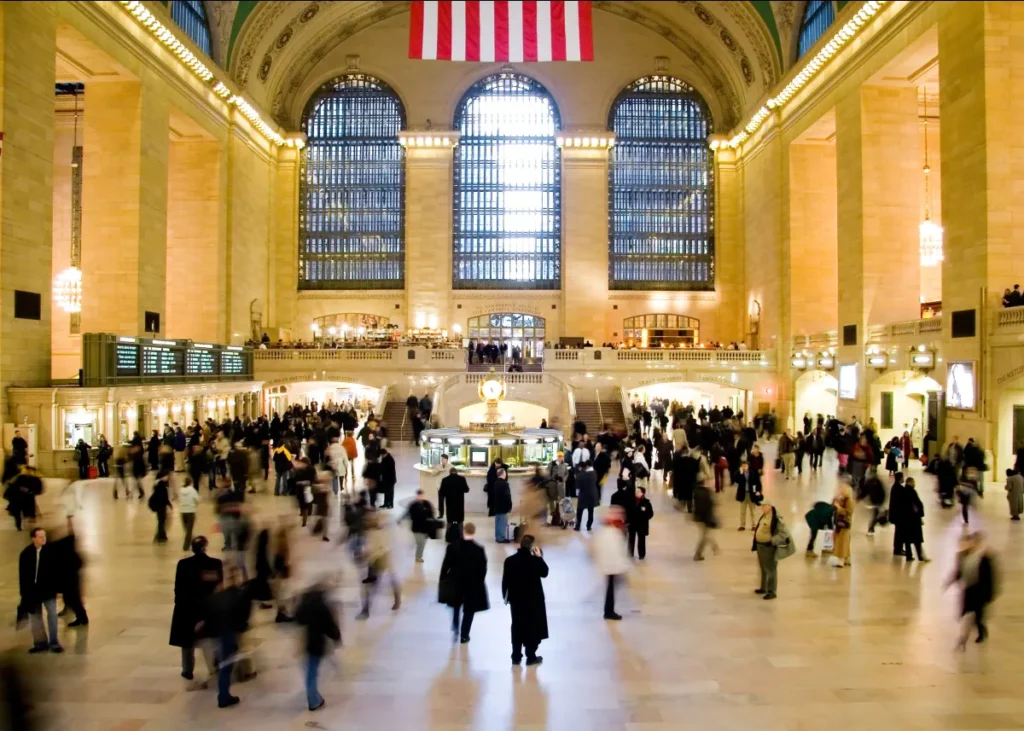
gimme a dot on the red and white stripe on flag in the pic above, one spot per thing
(501, 30)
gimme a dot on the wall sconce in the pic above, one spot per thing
(799, 362)
(826, 361)
(878, 361)
(921, 358)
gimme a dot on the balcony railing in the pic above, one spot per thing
(903, 329)
(1011, 317)
(613, 359)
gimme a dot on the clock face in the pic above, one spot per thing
(492, 389)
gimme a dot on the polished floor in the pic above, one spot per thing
(865, 647)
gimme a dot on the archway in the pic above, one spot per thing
(899, 398)
(700, 393)
(305, 393)
(1009, 428)
(660, 330)
(515, 329)
(817, 394)
(523, 414)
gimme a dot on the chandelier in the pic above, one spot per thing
(930, 236)
(67, 290)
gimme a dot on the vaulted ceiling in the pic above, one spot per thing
(272, 48)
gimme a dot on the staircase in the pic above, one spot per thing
(394, 417)
(613, 416)
(590, 414)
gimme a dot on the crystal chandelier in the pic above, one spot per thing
(930, 237)
(67, 290)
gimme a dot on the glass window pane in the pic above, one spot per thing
(660, 189)
(352, 217)
(507, 181)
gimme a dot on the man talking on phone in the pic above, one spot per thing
(523, 592)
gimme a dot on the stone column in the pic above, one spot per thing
(878, 213)
(585, 241)
(196, 245)
(981, 69)
(28, 52)
(428, 228)
(728, 248)
(281, 312)
(124, 207)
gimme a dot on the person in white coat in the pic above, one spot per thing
(610, 555)
(337, 459)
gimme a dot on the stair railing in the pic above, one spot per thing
(600, 410)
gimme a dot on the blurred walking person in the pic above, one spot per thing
(610, 556)
(704, 515)
(378, 559)
(462, 582)
(421, 516)
(188, 503)
(976, 577)
(1015, 493)
(317, 617)
(69, 577)
(160, 503)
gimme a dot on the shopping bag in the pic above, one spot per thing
(828, 540)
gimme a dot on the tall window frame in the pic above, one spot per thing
(507, 187)
(818, 16)
(190, 16)
(352, 187)
(661, 189)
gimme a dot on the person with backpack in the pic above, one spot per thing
(772, 543)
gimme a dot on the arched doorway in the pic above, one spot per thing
(516, 329)
(817, 392)
(661, 330)
(899, 398)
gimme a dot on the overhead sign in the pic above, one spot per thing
(111, 360)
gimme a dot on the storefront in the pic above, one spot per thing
(63, 415)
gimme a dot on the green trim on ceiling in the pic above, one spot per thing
(843, 3)
(245, 8)
(764, 9)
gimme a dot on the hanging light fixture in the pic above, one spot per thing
(67, 285)
(930, 239)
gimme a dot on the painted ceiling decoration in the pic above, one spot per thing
(272, 49)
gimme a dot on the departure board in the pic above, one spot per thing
(127, 360)
(158, 361)
(231, 363)
(109, 359)
(200, 362)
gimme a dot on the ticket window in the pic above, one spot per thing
(79, 425)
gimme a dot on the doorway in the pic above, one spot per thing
(515, 329)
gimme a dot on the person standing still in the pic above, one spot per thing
(37, 578)
(501, 503)
(316, 616)
(523, 591)
(160, 503)
(188, 502)
(462, 580)
(639, 514)
(586, 494)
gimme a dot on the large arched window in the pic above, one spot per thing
(818, 16)
(507, 225)
(352, 188)
(190, 16)
(660, 189)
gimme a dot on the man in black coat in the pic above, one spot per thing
(451, 497)
(388, 478)
(195, 580)
(461, 586)
(586, 491)
(523, 592)
(37, 579)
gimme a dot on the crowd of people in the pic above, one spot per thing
(700, 453)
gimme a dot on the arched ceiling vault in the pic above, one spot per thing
(272, 48)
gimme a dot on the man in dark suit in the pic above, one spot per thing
(37, 576)
(463, 575)
(523, 592)
(451, 496)
(195, 580)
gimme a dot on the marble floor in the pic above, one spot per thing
(866, 647)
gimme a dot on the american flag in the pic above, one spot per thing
(501, 30)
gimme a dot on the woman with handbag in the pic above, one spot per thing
(461, 586)
(842, 505)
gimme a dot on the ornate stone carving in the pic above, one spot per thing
(753, 29)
